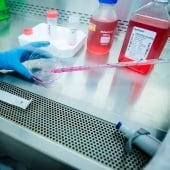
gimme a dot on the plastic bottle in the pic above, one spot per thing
(146, 35)
(73, 24)
(52, 16)
(102, 28)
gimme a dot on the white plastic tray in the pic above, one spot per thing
(59, 44)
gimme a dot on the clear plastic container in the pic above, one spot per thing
(52, 17)
(73, 24)
(102, 28)
(146, 35)
(40, 63)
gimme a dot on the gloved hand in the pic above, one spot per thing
(12, 59)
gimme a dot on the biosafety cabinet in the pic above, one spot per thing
(71, 123)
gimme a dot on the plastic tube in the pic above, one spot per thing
(52, 16)
(73, 24)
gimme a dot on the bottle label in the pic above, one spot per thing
(140, 43)
(92, 27)
(105, 37)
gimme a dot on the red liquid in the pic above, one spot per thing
(100, 38)
(161, 27)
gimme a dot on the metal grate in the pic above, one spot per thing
(85, 134)
(22, 8)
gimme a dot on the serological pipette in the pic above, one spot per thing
(108, 65)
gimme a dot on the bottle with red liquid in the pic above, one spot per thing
(102, 28)
(146, 35)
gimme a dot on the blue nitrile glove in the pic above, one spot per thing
(12, 59)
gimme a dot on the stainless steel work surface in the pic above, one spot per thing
(80, 133)
(76, 115)
(140, 98)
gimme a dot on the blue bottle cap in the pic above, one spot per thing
(119, 124)
(108, 1)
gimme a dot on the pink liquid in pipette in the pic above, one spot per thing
(99, 66)
(108, 65)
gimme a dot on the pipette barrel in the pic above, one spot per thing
(147, 143)
(109, 65)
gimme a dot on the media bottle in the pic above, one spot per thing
(102, 28)
(146, 35)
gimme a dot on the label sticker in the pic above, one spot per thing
(14, 100)
(105, 39)
(140, 43)
(92, 27)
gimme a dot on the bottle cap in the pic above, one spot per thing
(52, 14)
(108, 1)
(27, 31)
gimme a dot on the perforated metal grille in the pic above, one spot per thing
(22, 8)
(86, 134)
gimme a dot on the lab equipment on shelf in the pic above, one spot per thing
(146, 35)
(102, 28)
